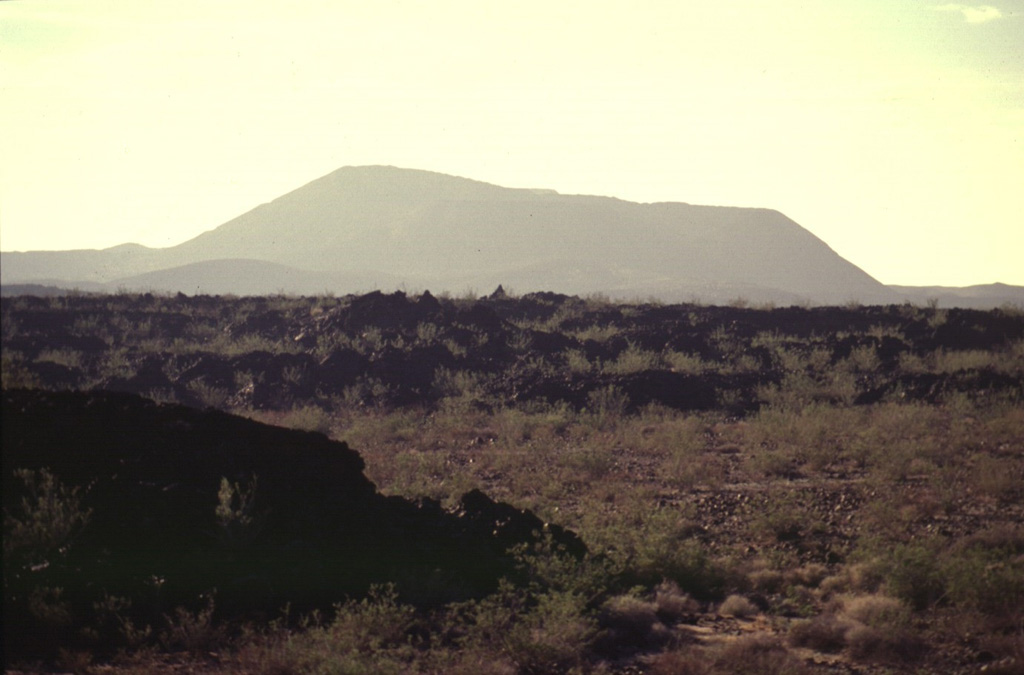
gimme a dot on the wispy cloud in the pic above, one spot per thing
(973, 13)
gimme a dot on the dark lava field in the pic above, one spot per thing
(535, 484)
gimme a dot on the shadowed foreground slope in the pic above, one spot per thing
(164, 526)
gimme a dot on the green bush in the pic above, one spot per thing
(45, 521)
(554, 636)
(912, 573)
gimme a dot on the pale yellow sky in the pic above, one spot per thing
(891, 129)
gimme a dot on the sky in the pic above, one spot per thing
(891, 129)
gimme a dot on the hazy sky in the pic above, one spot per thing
(892, 129)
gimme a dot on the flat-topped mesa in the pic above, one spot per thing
(360, 228)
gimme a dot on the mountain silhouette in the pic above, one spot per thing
(402, 227)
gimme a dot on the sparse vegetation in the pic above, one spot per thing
(844, 482)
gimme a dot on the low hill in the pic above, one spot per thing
(983, 296)
(251, 277)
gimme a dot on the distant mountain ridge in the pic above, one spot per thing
(394, 228)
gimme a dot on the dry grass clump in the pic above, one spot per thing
(738, 607)
(872, 628)
(630, 625)
(752, 655)
(873, 644)
(824, 633)
(882, 629)
(766, 580)
(810, 575)
(672, 603)
(850, 578)
(876, 610)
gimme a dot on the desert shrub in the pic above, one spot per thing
(690, 364)
(594, 332)
(374, 429)
(14, 373)
(948, 361)
(428, 333)
(369, 341)
(772, 463)
(308, 418)
(593, 461)
(784, 518)
(686, 469)
(576, 361)
(194, 632)
(415, 473)
(633, 360)
(607, 404)
(553, 636)
(366, 391)
(537, 421)
(548, 567)
(249, 343)
(460, 389)
(862, 359)
(375, 622)
(815, 383)
(118, 363)
(48, 607)
(235, 512)
(372, 635)
(451, 383)
(816, 435)
(65, 357)
(912, 573)
(684, 562)
(208, 395)
(114, 623)
(990, 580)
(681, 441)
(73, 660)
(971, 576)
(485, 623)
(44, 522)
(999, 477)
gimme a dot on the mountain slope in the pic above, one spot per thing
(439, 231)
(444, 229)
